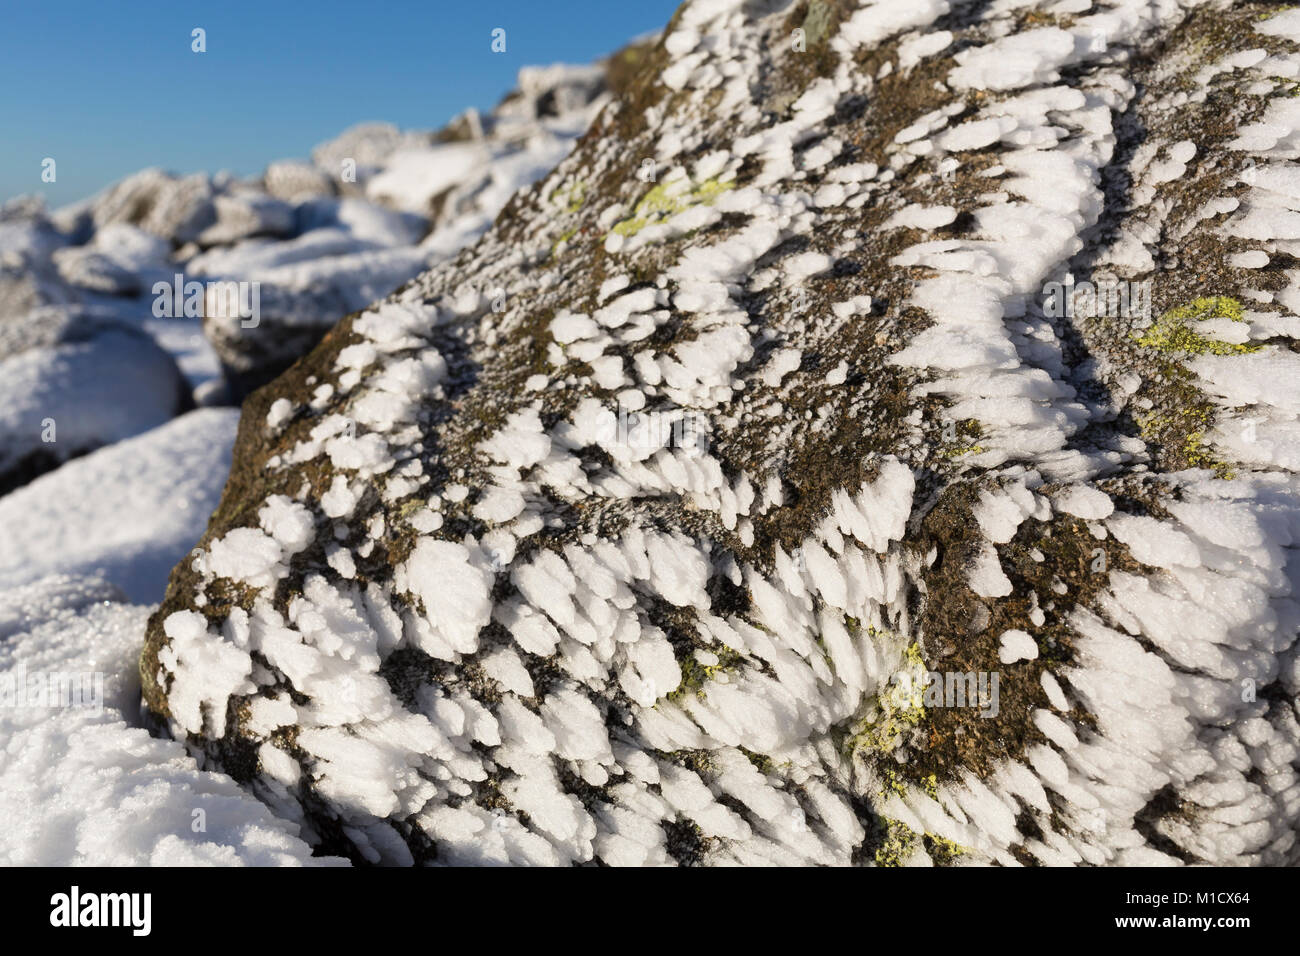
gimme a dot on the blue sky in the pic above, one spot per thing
(106, 87)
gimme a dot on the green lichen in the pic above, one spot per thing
(899, 842)
(762, 763)
(930, 784)
(1184, 429)
(695, 675)
(564, 237)
(892, 783)
(883, 719)
(667, 200)
(571, 198)
(941, 850)
(1173, 332)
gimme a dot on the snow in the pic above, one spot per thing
(987, 578)
(877, 20)
(1084, 502)
(86, 785)
(1015, 646)
(128, 513)
(86, 391)
(454, 590)
(1030, 57)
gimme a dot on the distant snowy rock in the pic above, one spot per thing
(121, 259)
(73, 380)
(172, 207)
(244, 215)
(296, 181)
(375, 208)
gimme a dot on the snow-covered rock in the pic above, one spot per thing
(772, 483)
(72, 380)
(781, 480)
(174, 208)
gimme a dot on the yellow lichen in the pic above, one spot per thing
(695, 675)
(898, 844)
(1173, 331)
(667, 200)
(882, 720)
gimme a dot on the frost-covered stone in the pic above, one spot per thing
(786, 479)
(175, 208)
(73, 380)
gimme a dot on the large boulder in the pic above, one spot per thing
(771, 484)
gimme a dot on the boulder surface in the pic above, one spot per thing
(876, 442)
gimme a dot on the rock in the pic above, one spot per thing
(366, 147)
(297, 303)
(175, 208)
(120, 260)
(28, 242)
(362, 220)
(296, 181)
(681, 517)
(542, 92)
(25, 287)
(73, 379)
(22, 209)
(243, 216)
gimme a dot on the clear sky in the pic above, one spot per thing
(106, 87)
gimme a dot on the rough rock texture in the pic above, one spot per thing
(630, 534)
(176, 208)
